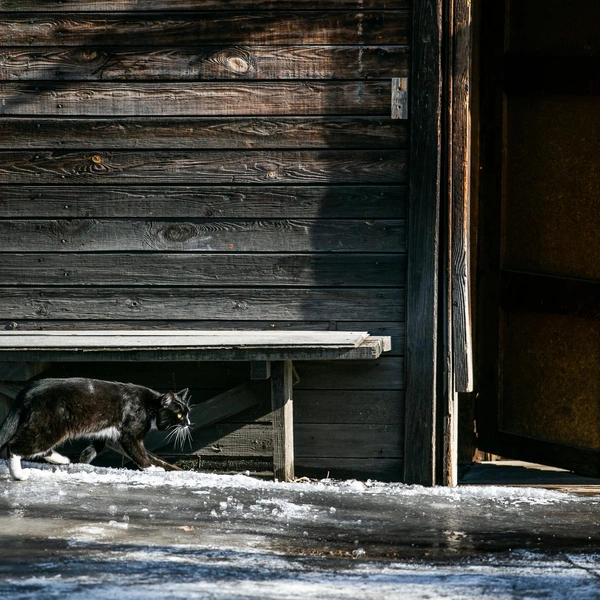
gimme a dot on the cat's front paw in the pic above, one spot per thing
(21, 474)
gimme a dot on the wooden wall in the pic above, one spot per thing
(214, 164)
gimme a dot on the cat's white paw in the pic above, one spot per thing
(22, 475)
(57, 459)
(17, 473)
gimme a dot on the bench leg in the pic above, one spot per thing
(283, 420)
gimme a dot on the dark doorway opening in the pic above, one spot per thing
(536, 217)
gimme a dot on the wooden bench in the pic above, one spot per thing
(271, 354)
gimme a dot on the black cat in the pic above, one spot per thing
(51, 411)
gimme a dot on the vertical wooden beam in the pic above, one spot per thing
(283, 420)
(460, 375)
(457, 344)
(423, 243)
(460, 170)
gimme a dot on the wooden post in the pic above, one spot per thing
(458, 373)
(423, 244)
(460, 176)
(283, 420)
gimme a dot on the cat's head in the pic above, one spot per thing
(174, 411)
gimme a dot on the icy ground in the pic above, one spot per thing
(86, 532)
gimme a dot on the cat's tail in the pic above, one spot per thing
(9, 427)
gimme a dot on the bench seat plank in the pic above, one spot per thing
(139, 339)
(58, 346)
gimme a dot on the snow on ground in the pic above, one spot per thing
(88, 474)
(88, 532)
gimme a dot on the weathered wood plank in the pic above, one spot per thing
(187, 166)
(274, 235)
(283, 420)
(196, 98)
(380, 469)
(255, 202)
(369, 350)
(174, 5)
(191, 269)
(206, 28)
(347, 440)
(310, 406)
(91, 340)
(384, 374)
(400, 98)
(197, 64)
(310, 441)
(424, 226)
(190, 303)
(202, 133)
(460, 197)
(229, 440)
(393, 329)
(349, 406)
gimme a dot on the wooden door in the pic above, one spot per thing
(539, 250)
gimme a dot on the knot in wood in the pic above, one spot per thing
(97, 159)
(179, 232)
(235, 60)
(42, 309)
(89, 54)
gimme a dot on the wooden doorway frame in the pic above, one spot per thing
(438, 336)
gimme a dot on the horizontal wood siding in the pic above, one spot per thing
(58, 6)
(233, 166)
(254, 62)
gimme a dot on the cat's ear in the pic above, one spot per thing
(166, 399)
(183, 394)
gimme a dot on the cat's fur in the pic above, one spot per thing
(51, 411)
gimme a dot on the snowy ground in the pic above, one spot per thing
(106, 533)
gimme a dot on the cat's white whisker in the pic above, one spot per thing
(171, 436)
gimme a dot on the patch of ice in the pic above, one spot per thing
(202, 483)
(150, 573)
(284, 508)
